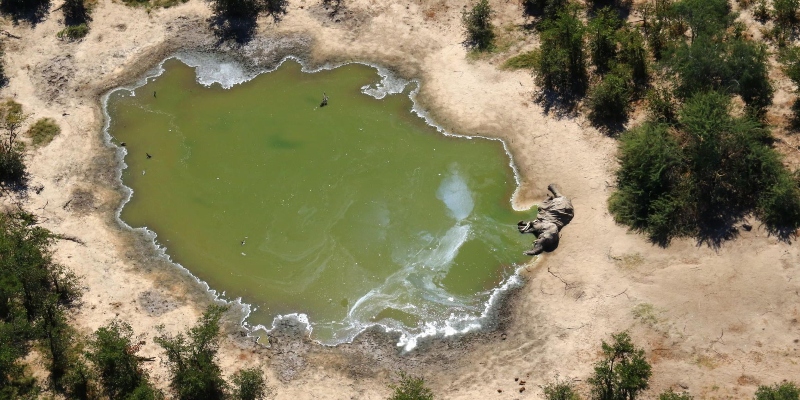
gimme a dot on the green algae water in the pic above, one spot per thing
(349, 215)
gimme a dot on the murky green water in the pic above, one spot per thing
(354, 214)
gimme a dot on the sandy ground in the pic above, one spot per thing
(716, 321)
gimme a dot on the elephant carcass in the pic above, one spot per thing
(554, 214)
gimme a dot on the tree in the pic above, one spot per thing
(34, 291)
(478, 26)
(783, 391)
(12, 167)
(32, 11)
(705, 17)
(602, 31)
(622, 373)
(249, 384)
(113, 354)
(192, 359)
(561, 66)
(410, 388)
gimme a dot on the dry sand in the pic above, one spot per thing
(715, 321)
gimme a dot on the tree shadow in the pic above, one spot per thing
(611, 127)
(238, 29)
(622, 7)
(31, 11)
(557, 104)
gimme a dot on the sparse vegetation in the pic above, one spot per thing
(153, 3)
(43, 131)
(410, 388)
(671, 395)
(478, 26)
(560, 390)
(527, 60)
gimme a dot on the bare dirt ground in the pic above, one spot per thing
(716, 322)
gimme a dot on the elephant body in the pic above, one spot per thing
(554, 214)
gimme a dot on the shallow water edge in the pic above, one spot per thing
(228, 71)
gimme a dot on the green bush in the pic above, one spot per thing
(735, 67)
(43, 131)
(785, 13)
(192, 359)
(526, 60)
(660, 105)
(602, 34)
(783, 391)
(702, 173)
(622, 373)
(249, 384)
(609, 100)
(119, 368)
(560, 390)
(670, 395)
(705, 17)
(410, 388)
(561, 64)
(478, 26)
(73, 32)
(633, 54)
(779, 205)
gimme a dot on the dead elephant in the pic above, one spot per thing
(554, 213)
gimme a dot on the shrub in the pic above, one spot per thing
(410, 388)
(478, 26)
(43, 131)
(526, 60)
(660, 105)
(560, 390)
(735, 67)
(783, 391)
(609, 100)
(670, 395)
(249, 384)
(622, 373)
(73, 32)
(702, 173)
(779, 205)
(785, 12)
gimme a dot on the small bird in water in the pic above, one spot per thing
(122, 144)
(154, 93)
(148, 156)
(243, 242)
(324, 100)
